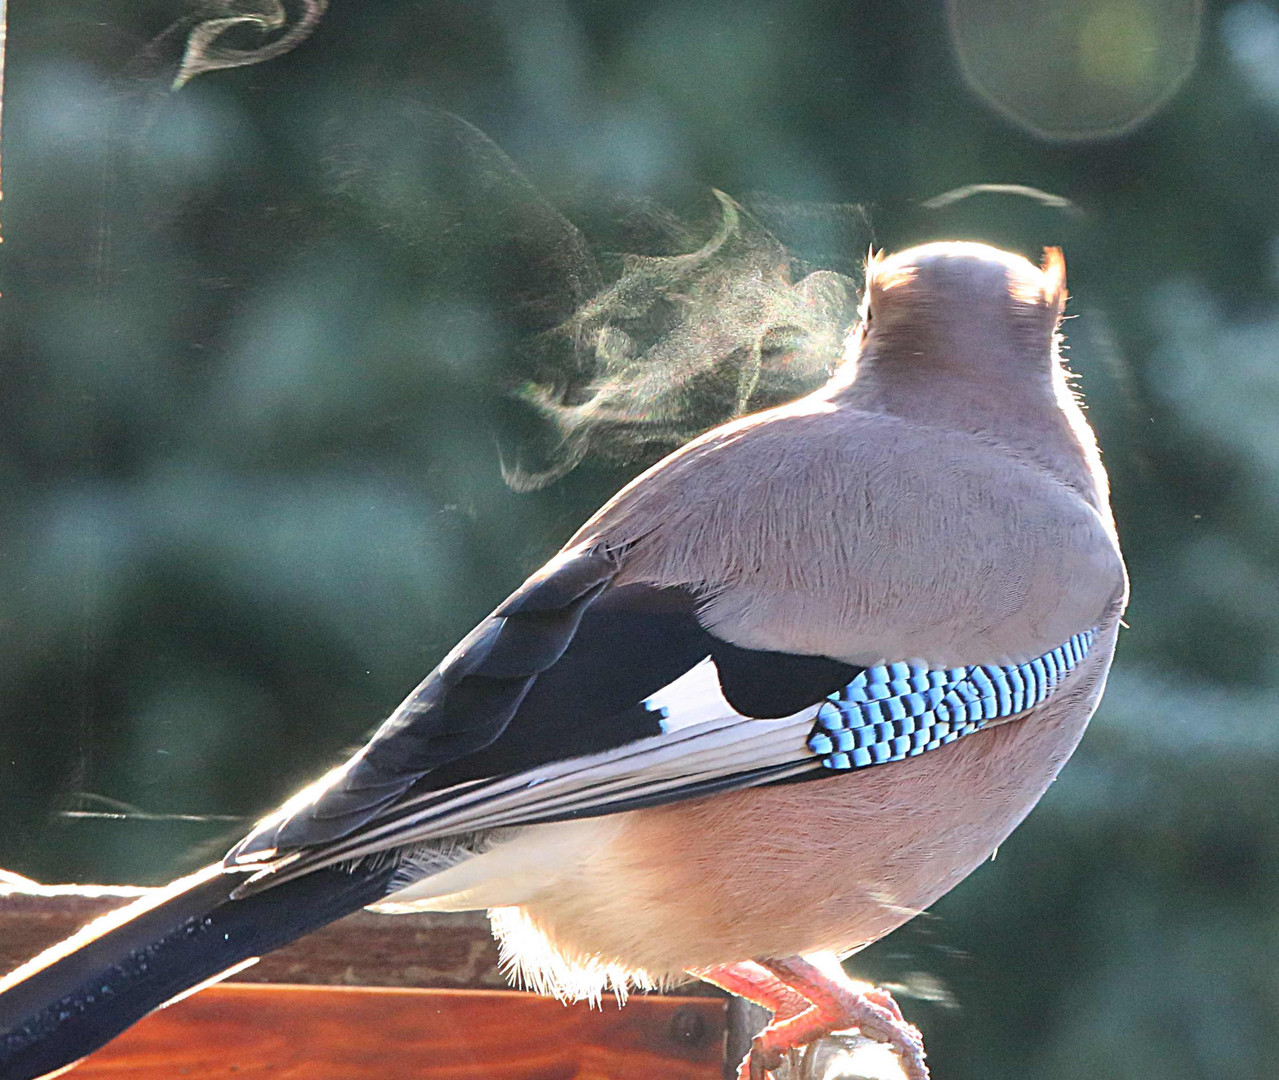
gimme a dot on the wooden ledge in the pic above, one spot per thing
(401, 997)
(386, 996)
(343, 1033)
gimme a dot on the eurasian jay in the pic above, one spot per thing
(777, 696)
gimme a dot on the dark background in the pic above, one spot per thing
(266, 343)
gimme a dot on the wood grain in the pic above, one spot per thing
(329, 1033)
(390, 997)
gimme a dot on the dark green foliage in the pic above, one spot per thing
(268, 343)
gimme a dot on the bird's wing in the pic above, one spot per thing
(569, 667)
(609, 680)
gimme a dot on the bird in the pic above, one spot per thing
(785, 689)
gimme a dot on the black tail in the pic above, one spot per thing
(102, 980)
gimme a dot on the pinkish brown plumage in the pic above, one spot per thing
(595, 762)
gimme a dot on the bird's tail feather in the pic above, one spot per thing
(77, 995)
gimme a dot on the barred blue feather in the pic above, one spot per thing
(895, 711)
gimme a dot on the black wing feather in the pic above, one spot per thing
(770, 685)
(561, 669)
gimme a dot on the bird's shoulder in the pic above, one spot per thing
(862, 535)
(816, 458)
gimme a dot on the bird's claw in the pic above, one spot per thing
(873, 1012)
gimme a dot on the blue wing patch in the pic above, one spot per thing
(895, 711)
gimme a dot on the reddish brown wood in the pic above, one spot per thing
(330, 1033)
(334, 1032)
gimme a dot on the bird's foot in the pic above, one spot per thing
(832, 1003)
(874, 1013)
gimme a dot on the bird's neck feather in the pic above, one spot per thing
(1036, 415)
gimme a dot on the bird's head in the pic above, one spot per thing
(958, 302)
(965, 336)
(956, 316)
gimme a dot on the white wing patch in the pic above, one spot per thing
(694, 698)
